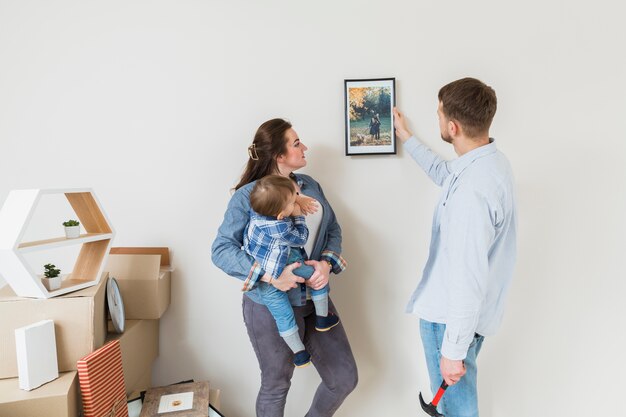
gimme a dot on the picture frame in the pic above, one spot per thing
(214, 412)
(369, 116)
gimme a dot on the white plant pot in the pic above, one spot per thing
(52, 284)
(72, 232)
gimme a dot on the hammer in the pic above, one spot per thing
(431, 409)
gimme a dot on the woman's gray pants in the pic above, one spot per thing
(330, 353)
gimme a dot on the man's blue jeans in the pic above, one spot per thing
(277, 301)
(461, 399)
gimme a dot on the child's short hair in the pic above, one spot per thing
(271, 194)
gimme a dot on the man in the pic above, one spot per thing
(460, 298)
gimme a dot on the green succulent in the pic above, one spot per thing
(70, 223)
(51, 271)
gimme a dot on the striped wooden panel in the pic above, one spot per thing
(101, 380)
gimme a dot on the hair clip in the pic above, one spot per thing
(253, 153)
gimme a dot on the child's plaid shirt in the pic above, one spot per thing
(268, 240)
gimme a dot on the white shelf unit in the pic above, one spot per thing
(95, 244)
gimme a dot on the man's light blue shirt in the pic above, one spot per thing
(473, 245)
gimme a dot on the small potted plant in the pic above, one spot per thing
(51, 277)
(72, 229)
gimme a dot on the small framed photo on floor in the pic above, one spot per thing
(369, 116)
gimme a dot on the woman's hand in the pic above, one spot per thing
(287, 279)
(321, 275)
(307, 205)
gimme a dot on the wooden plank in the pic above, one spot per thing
(89, 260)
(88, 212)
(62, 241)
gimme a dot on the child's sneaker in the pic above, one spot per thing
(323, 324)
(302, 359)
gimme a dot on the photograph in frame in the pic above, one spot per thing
(369, 116)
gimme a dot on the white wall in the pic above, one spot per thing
(153, 104)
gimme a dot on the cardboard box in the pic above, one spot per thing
(144, 278)
(79, 324)
(58, 398)
(143, 384)
(140, 347)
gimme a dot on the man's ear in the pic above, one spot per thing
(454, 128)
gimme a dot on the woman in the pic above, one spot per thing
(276, 149)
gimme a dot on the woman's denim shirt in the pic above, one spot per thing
(227, 250)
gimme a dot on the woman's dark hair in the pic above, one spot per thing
(268, 144)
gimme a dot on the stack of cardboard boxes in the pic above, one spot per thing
(80, 321)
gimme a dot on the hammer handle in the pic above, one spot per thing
(439, 394)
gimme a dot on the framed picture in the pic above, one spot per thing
(369, 116)
(213, 412)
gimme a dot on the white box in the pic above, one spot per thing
(36, 350)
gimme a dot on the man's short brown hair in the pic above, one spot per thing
(470, 102)
(271, 194)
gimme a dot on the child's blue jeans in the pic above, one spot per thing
(277, 301)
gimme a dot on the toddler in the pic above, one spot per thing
(274, 237)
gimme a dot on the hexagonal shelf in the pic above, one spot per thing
(96, 242)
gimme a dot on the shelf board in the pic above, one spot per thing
(70, 285)
(62, 241)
